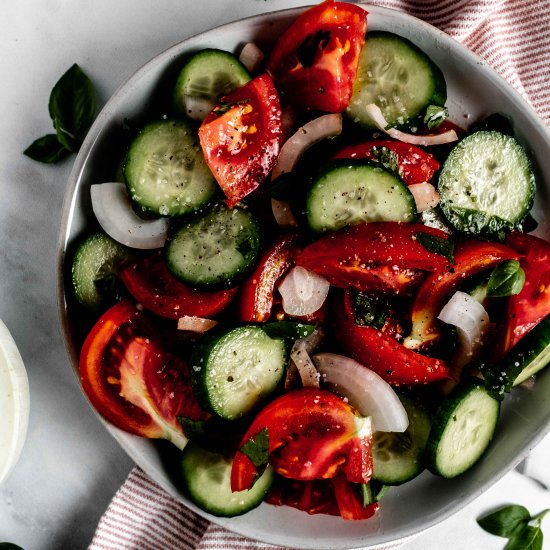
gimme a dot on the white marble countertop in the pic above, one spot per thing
(70, 466)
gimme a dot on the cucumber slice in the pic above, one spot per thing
(218, 248)
(236, 369)
(486, 184)
(97, 261)
(349, 192)
(462, 429)
(206, 477)
(165, 170)
(206, 76)
(398, 77)
(399, 457)
(526, 358)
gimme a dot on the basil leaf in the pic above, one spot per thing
(529, 538)
(435, 115)
(506, 521)
(193, 429)
(257, 450)
(506, 279)
(437, 245)
(288, 330)
(72, 106)
(47, 149)
(369, 310)
(67, 140)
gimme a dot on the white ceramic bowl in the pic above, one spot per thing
(474, 90)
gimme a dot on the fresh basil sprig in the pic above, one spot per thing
(515, 523)
(506, 279)
(257, 450)
(72, 108)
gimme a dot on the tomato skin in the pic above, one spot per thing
(123, 365)
(256, 300)
(415, 164)
(152, 285)
(313, 434)
(377, 256)
(242, 136)
(526, 309)
(380, 352)
(471, 257)
(315, 61)
(349, 502)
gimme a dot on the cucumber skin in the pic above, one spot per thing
(502, 376)
(438, 97)
(193, 458)
(199, 360)
(441, 419)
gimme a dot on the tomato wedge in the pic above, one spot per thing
(526, 309)
(376, 257)
(315, 61)
(242, 136)
(132, 381)
(152, 285)
(313, 434)
(256, 300)
(379, 351)
(415, 164)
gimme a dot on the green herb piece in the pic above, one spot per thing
(257, 450)
(387, 158)
(437, 245)
(435, 115)
(224, 106)
(506, 279)
(515, 523)
(369, 310)
(372, 492)
(288, 330)
(366, 493)
(193, 429)
(72, 109)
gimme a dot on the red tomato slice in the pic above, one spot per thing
(532, 304)
(349, 501)
(152, 285)
(256, 300)
(132, 381)
(313, 434)
(242, 136)
(315, 61)
(415, 164)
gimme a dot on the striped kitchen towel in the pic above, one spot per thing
(513, 36)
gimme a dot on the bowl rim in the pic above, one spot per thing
(68, 208)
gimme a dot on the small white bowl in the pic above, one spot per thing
(14, 403)
(474, 90)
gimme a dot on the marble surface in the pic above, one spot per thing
(70, 466)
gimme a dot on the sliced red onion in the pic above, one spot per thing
(306, 136)
(470, 319)
(414, 139)
(113, 210)
(365, 390)
(303, 292)
(425, 196)
(303, 369)
(251, 57)
(283, 213)
(299, 356)
(200, 325)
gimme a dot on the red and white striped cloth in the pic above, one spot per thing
(513, 36)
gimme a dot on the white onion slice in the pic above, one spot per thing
(200, 325)
(303, 291)
(114, 213)
(251, 57)
(306, 136)
(283, 213)
(414, 139)
(425, 196)
(306, 368)
(197, 107)
(470, 319)
(370, 394)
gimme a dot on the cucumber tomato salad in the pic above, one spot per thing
(308, 279)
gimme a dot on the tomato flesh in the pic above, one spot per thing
(315, 61)
(241, 138)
